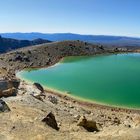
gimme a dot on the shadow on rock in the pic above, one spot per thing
(51, 121)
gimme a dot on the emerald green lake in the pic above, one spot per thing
(106, 79)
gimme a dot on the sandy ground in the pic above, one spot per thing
(24, 120)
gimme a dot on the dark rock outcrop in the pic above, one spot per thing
(38, 86)
(6, 84)
(15, 83)
(3, 106)
(51, 121)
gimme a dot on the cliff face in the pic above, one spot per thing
(7, 44)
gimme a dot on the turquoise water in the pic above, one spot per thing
(107, 79)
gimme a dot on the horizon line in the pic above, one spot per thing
(70, 33)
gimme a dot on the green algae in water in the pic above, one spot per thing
(106, 79)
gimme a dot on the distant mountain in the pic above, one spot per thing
(99, 39)
(7, 44)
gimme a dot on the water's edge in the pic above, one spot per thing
(77, 98)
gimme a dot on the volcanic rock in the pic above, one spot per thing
(53, 99)
(3, 106)
(8, 87)
(38, 86)
(8, 92)
(89, 125)
(51, 121)
(6, 84)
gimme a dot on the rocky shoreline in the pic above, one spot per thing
(49, 54)
(74, 118)
(90, 104)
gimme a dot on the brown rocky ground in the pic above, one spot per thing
(24, 121)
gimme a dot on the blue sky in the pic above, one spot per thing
(101, 17)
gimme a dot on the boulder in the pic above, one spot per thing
(89, 125)
(41, 89)
(8, 92)
(53, 99)
(6, 84)
(26, 58)
(51, 121)
(15, 83)
(18, 57)
(38, 86)
(8, 87)
(3, 106)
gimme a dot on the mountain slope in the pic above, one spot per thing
(7, 44)
(102, 39)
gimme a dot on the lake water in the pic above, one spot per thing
(106, 79)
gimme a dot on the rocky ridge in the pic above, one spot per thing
(49, 54)
(7, 44)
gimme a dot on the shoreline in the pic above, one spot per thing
(81, 101)
(61, 59)
(28, 111)
(86, 103)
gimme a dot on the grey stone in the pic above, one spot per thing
(53, 99)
